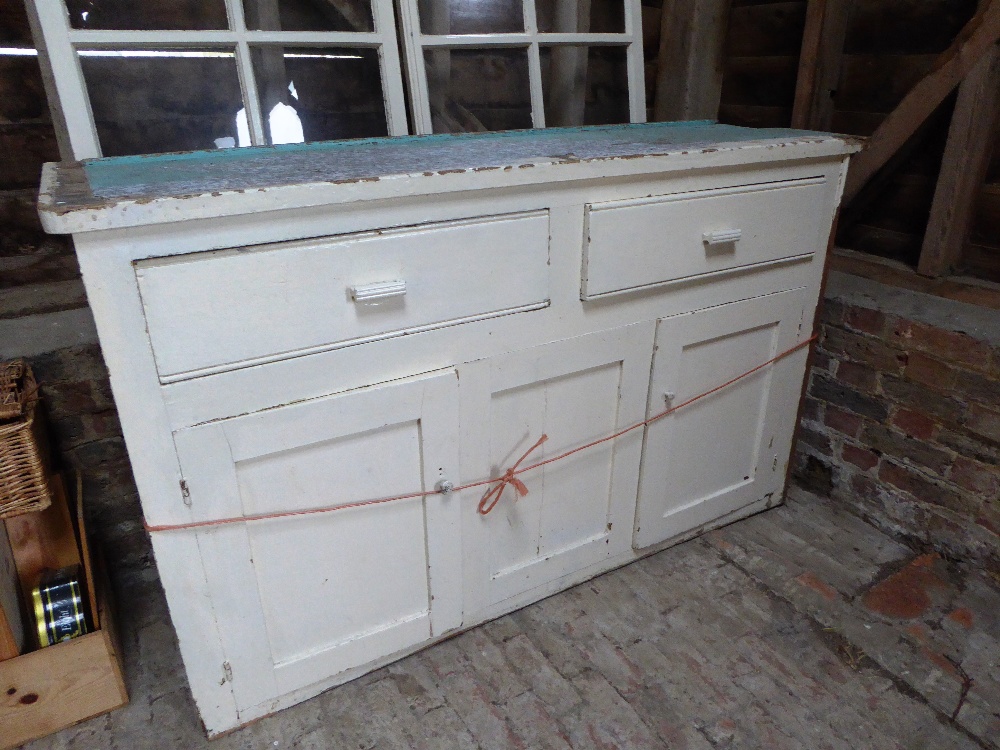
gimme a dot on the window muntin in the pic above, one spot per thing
(537, 29)
(174, 71)
(330, 69)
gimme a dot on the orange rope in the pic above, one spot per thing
(497, 484)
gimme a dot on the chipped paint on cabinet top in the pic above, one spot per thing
(106, 193)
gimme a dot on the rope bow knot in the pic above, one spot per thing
(491, 498)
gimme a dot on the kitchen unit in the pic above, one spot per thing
(294, 332)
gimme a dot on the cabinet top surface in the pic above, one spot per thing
(97, 189)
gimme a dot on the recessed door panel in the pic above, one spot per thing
(578, 510)
(729, 449)
(300, 598)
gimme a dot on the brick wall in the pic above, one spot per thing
(902, 418)
(44, 314)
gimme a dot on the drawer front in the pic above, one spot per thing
(213, 311)
(638, 243)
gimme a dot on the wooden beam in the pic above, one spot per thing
(819, 62)
(690, 60)
(978, 36)
(963, 169)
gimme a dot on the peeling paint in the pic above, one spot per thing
(102, 184)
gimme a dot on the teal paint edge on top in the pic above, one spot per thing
(102, 173)
(250, 152)
(118, 173)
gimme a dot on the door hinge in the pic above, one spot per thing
(227, 670)
(185, 492)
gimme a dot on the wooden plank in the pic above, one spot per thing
(978, 36)
(88, 563)
(963, 168)
(11, 615)
(877, 83)
(770, 29)
(44, 539)
(754, 116)
(983, 261)
(893, 273)
(819, 62)
(691, 59)
(986, 230)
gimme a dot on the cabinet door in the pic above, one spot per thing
(730, 449)
(301, 598)
(579, 511)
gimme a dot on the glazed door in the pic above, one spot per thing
(578, 512)
(730, 449)
(301, 598)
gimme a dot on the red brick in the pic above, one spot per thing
(975, 387)
(914, 423)
(922, 488)
(861, 377)
(929, 371)
(909, 593)
(963, 616)
(821, 587)
(831, 312)
(948, 345)
(812, 409)
(864, 319)
(989, 517)
(843, 421)
(821, 361)
(814, 438)
(984, 422)
(938, 405)
(860, 457)
(905, 449)
(975, 477)
(861, 348)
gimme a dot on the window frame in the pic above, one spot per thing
(59, 45)
(416, 43)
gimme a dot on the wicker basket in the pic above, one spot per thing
(24, 483)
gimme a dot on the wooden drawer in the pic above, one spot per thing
(639, 243)
(212, 311)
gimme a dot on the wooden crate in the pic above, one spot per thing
(52, 688)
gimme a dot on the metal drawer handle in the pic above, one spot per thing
(722, 236)
(378, 290)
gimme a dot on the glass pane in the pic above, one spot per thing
(143, 15)
(470, 16)
(478, 89)
(574, 16)
(584, 85)
(319, 94)
(150, 101)
(309, 15)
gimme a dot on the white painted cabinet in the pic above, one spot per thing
(294, 333)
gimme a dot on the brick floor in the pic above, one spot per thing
(802, 627)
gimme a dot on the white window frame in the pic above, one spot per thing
(59, 43)
(531, 39)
